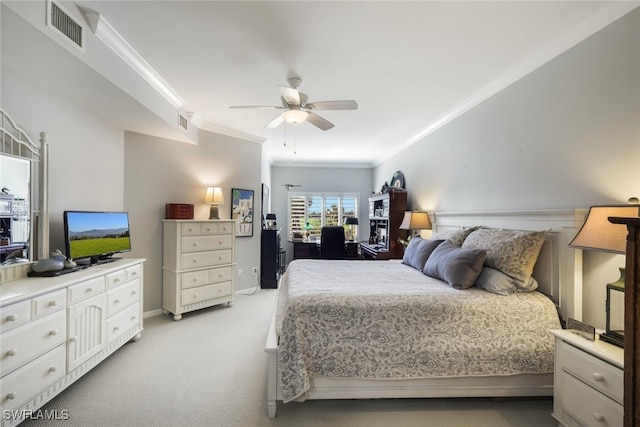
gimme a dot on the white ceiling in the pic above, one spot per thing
(409, 65)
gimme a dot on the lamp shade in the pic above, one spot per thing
(415, 221)
(597, 233)
(351, 221)
(214, 196)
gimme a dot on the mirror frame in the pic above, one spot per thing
(15, 142)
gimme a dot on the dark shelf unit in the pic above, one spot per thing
(269, 259)
(386, 212)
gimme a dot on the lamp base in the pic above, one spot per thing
(213, 212)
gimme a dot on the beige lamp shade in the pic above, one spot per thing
(598, 233)
(416, 221)
(214, 196)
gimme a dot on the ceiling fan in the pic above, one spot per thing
(298, 109)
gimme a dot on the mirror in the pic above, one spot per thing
(24, 216)
(15, 211)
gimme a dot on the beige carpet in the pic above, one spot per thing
(209, 369)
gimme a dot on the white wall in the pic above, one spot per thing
(565, 136)
(160, 171)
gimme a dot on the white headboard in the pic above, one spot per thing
(559, 268)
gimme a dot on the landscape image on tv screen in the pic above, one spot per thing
(97, 233)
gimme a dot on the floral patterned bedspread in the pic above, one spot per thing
(382, 319)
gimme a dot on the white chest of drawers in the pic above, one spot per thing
(588, 382)
(198, 262)
(56, 329)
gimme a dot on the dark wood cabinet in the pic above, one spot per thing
(385, 216)
(269, 259)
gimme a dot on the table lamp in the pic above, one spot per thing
(414, 220)
(597, 233)
(351, 222)
(215, 197)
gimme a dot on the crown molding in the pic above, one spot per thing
(230, 132)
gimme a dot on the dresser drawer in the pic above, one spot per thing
(20, 386)
(205, 259)
(86, 289)
(587, 405)
(20, 345)
(15, 315)
(203, 293)
(120, 298)
(116, 279)
(49, 303)
(123, 321)
(216, 228)
(206, 277)
(195, 278)
(133, 272)
(190, 229)
(205, 243)
(598, 374)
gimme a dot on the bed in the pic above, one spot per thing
(385, 329)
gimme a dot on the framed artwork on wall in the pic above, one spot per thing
(242, 211)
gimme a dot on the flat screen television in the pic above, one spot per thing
(94, 237)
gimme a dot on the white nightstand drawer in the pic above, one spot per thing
(598, 374)
(86, 289)
(21, 345)
(588, 406)
(205, 243)
(49, 303)
(134, 272)
(190, 229)
(203, 293)
(205, 259)
(15, 315)
(23, 384)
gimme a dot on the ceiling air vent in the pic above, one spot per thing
(64, 24)
(183, 121)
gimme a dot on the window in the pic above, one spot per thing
(309, 212)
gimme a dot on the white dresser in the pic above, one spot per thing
(55, 329)
(588, 382)
(198, 263)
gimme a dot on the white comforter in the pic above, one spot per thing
(382, 319)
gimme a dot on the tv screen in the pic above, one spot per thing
(96, 235)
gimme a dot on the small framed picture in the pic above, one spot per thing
(242, 211)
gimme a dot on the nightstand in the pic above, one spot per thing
(588, 381)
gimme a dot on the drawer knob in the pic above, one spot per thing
(89, 290)
(73, 339)
(135, 273)
(11, 395)
(133, 317)
(53, 368)
(598, 377)
(195, 243)
(133, 292)
(598, 416)
(12, 352)
(116, 301)
(53, 303)
(115, 328)
(12, 317)
(53, 332)
(195, 260)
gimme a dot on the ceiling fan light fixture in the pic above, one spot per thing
(295, 116)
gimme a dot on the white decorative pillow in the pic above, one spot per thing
(514, 253)
(418, 250)
(497, 282)
(454, 236)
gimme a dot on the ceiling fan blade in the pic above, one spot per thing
(275, 122)
(347, 104)
(318, 121)
(255, 106)
(290, 95)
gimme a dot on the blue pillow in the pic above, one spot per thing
(457, 266)
(418, 251)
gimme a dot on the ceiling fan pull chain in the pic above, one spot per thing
(285, 133)
(295, 140)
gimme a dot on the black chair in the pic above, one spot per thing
(332, 242)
